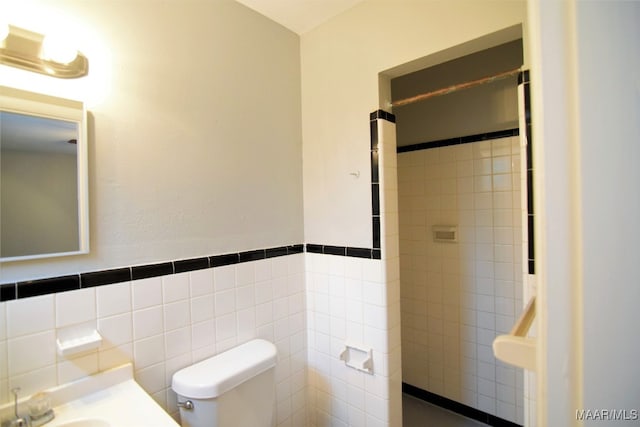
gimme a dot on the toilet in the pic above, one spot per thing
(231, 389)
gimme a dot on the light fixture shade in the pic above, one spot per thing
(58, 49)
(4, 30)
(25, 49)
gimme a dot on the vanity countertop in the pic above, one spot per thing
(108, 399)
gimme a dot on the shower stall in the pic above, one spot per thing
(462, 195)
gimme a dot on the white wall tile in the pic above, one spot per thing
(30, 352)
(147, 322)
(20, 319)
(151, 378)
(245, 297)
(115, 330)
(162, 324)
(246, 324)
(146, 292)
(177, 342)
(225, 302)
(79, 367)
(203, 334)
(113, 299)
(115, 356)
(202, 308)
(456, 298)
(201, 282)
(35, 380)
(224, 277)
(175, 287)
(176, 315)
(75, 307)
(246, 273)
(226, 327)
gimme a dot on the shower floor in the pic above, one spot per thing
(418, 413)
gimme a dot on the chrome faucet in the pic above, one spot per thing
(18, 421)
(40, 411)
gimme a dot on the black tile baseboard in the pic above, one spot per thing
(457, 407)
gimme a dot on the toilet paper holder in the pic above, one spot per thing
(358, 358)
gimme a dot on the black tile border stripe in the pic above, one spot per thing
(376, 251)
(106, 277)
(459, 140)
(12, 291)
(8, 291)
(343, 251)
(51, 285)
(457, 407)
(523, 79)
(184, 265)
(151, 270)
(381, 114)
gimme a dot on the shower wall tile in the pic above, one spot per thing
(456, 297)
(162, 324)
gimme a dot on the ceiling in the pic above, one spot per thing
(300, 16)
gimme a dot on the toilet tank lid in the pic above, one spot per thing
(214, 376)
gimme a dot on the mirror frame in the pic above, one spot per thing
(35, 104)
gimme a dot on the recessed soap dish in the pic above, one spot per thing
(71, 342)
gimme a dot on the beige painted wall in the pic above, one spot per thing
(341, 61)
(194, 132)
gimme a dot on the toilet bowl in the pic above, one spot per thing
(232, 389)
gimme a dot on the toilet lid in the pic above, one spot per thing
(214, 376)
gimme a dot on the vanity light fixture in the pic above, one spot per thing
(4, 30)
(34, 52)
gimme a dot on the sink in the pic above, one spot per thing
(108, 399)
(86, 422)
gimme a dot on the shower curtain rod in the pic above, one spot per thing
(454, 88)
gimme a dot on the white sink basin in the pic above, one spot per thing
(108, 399)
(86, 422)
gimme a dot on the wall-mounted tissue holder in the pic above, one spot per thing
(73, 341)
(358, 358)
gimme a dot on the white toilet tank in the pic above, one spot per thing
(232, 389)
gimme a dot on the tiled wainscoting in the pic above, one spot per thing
(456, 297)
(357, 301)
(163, 324)
(346, 303)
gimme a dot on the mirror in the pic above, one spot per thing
(43, 176)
